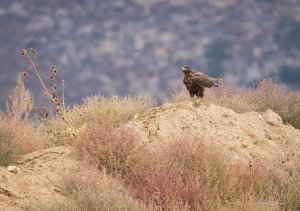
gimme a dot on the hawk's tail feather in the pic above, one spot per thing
(217, 82)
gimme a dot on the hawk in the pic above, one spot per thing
(196, 82)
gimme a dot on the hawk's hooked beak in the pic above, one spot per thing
(186, 69)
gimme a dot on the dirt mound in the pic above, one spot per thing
(243, 136)
(38, 179)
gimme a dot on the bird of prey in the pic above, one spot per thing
(196, 82)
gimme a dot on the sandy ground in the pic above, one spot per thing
(243, 137)
(38, 180)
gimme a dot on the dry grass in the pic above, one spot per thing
(180, 175)
(29, 133)
(26, 137)
(18, 138)
(185, 174)
(18, 135)
(111, 148)
(188, 175)
(8, 154)
(20, 102)
(267, 95)
(108, 112)
(284, 102)
(95, 192)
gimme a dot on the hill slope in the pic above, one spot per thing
(38, 179)
(244, 137)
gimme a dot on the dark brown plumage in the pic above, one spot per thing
(196, 82)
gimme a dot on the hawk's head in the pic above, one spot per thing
(186, 69)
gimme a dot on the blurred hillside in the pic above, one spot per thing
(139, 46)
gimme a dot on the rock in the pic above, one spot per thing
(13, 169)
(272, 118)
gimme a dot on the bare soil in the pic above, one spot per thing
(38, 180)
(245, 136)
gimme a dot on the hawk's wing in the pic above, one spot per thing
(203, 80)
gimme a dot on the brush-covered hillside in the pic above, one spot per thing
(232, 150)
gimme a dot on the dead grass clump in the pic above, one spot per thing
(110, 148)
(18, 135)
(108, 112)
(192, 175)
(26, 137)
(8, 153)
(269, 95)
(282, 182)
(94, 192)
(184, 174)
(112, 111)
(235, 99)
(18, 138)
(20, 102)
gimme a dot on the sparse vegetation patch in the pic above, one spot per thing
(267, 95)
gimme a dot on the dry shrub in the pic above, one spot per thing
(267, 95)
(94, 192)
(19, 103)
(26, 137)
(284, 102)
(8, 154)
(186, 174)
(110, 112)
(18, 138)
(198, 177)
(282, 181)
(18, 135)
(235, 99)
(110, 147)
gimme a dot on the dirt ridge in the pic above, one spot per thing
(244, 137)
